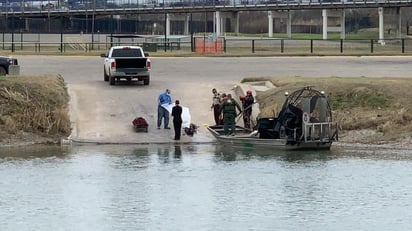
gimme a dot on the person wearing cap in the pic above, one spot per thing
(177, 119)
(229, 107)
(247, 103)
(162, 113)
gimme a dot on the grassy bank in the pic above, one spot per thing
(33, 109)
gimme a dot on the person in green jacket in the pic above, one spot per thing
(229, 107)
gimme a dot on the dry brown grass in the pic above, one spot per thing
(380, 104)
(34, 104)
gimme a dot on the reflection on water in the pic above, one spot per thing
(232, 153)
(203, 187)
(35, 151)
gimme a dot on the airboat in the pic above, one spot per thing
(304, 122)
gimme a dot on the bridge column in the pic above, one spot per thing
(381, 37)
(325, 24)
(270, 19)
(183, 17)
(393, 15)
(218, 23)
(326, 14)
(237, 17)
(398, 11)
(393, 18)
(285, 16)
(289, 25)
(167, 32)
(342, 25)
(27, 24)
(186, 26)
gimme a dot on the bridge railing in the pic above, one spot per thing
(320, 46)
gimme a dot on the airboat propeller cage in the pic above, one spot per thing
(316, 108)
(306, 116)
(313, 103)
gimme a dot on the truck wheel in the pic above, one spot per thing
(2, 71)
(112, 81)
(146, 81)
(106, 77)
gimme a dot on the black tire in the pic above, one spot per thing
(146, 81)
(112, 80)
(106, 77)
(3, 71)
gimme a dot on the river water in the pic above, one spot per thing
(204, 187)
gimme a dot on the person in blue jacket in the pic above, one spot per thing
(162, 113)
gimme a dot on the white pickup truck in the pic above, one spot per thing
(126, 62)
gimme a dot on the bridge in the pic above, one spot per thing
(202, 6)
(222, 10)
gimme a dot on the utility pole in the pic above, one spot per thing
(93, 15)
(7, 15)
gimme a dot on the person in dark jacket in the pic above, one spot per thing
(229, 107)
(177, 119)
(247, 102)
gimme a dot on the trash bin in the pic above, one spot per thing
(152, 47)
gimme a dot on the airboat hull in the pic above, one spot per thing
(246, 138)
(304, 122)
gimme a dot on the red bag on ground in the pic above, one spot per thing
(140, 124)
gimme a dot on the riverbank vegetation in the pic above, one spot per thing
(33, 109)
(381, 106)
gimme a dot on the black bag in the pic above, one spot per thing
(191, 130)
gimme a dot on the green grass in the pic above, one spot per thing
(347, 100)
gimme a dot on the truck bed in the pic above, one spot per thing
(131, 62)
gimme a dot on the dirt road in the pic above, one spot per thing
(103, 114)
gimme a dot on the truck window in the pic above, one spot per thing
(127, 53)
